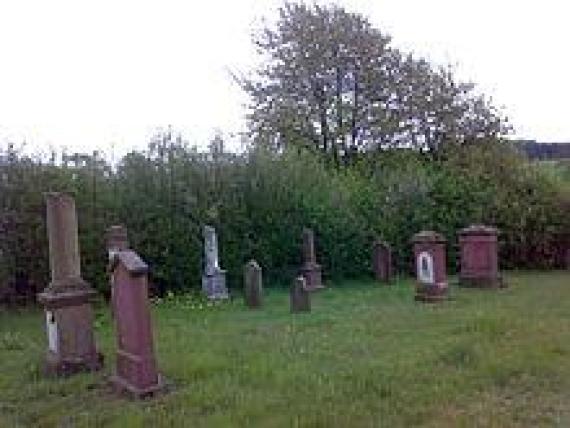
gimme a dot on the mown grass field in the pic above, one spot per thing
(366, 355)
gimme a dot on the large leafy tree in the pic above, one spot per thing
(332, 81)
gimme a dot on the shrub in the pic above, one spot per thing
(260, 201)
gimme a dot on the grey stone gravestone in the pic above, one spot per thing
(300, 298)
(253, 287)
(311, 270)
(214, 278)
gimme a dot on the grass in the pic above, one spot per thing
(366, 355)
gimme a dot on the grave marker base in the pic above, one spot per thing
(214, 285)
(312, 272)
(431, 294)
(123, 387)
(484, 283)
(73, 348)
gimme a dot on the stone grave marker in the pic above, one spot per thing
(136, 372)
(68, 312)
(253, 287)
(299, 296)
(117, 240)
(431, 274)
(311, 270)
(479, 264)
(214, 278)
(382, 261)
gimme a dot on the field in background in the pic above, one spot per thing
(558, 168)
(366, 355)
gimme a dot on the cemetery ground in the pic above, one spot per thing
(367, 355)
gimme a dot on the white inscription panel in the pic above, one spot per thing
(425, 268)
(51, 331)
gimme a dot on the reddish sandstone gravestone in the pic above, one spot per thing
(311, 270)
(479, 260)
(69, 316)
(136, 372)
(430, 264)
(382, 261)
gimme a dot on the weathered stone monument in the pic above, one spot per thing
(214, 278)
(299, 296)
(311, 270)
(382, 261)
(252, 285)
(431, 275)
(69, 317)
(117, 240)
(136, 372)
(479, 265)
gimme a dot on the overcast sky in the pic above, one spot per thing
(100, 74)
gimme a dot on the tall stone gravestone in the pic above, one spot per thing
(117, 240)
(311, 270)
(214, 278)
(253, 287)
(429, 256)
(69, 316)
(299, 297)
(136, 372)
(479, 263)
(382, 261)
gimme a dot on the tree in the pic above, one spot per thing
(332, 82)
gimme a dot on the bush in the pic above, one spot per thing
(260, 201)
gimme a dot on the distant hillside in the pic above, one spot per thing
(537, 150)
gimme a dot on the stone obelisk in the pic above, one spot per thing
(69, 317)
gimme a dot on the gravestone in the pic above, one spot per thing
(136, 373)
(311, 270)
(430, 265)
(117, 240)
(69, 316)
(382, 261)
(253, 287)
(479, 265)
(299, 296)
(214, 278)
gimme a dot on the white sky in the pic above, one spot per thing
(99, 74)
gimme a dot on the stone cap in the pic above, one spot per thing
(130, 260)
(429, 236)
(53, 194)
(253, 263)
(381, 242)
(117, 237)
(479, 229)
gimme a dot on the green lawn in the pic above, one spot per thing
(366, 355)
